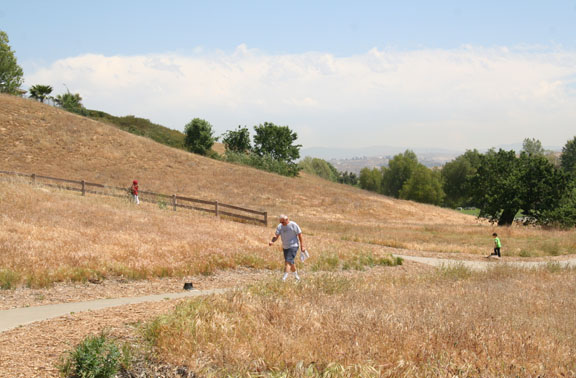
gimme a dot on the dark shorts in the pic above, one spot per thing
(290, 254)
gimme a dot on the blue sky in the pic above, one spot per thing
(458, 74)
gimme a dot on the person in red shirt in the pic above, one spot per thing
(134, 192)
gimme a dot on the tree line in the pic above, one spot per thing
(501, 184)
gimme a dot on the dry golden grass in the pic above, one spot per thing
(518, 241)
(503, 322)
(36, 138)
(52, 235)
(49, 236)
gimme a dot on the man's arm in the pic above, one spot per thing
(301, 241)
(274, 238)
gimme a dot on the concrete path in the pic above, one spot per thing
(16, 317)
(483, 265)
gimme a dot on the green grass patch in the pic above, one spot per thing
(326, 263)
(552, 248)
(363, 261)
(9, 279)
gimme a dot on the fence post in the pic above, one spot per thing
(33, 178)
(266, 218)
(216, 206)
(83, 187)
(174, 201)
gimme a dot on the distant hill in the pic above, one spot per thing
(371, 151)
(354, 159)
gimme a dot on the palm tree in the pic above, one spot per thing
(40, 92)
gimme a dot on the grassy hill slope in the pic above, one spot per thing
(142, 127)
(37, 138)
(53, 235)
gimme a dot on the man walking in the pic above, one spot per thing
(291, 235)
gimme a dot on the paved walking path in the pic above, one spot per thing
(16, 317)
(483, 265)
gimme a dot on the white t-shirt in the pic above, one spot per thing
(289, 234)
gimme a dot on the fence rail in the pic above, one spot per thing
(174, 201)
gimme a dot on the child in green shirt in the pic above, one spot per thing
(497, 245)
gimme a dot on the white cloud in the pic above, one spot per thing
(463, 98)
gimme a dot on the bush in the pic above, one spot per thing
(95, 357)
(199, 136)
(319, 167)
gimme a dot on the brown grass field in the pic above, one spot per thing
(453, 322)
(351, 318)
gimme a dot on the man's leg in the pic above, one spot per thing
(286, 270)
(293, 269)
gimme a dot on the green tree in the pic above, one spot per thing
(371, 179)
(237, 140)
(564, 214)
(348, 178)
(455, 177)
(11, 74)
(276, 141)
(496, 185)
(568, 157)
(319, 167)
(199, 136)
(543, 185)
(505, 184)
(533, 146)
(71, 102)
(40, 92)
(399, 170)
(424, 185)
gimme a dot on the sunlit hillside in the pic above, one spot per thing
(36, 138)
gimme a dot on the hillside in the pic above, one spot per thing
(37, 138)
(142, 127)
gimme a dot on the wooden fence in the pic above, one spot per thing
(164, 200)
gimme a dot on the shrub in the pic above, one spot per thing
(95, 357)
(264, 163)
(199, 136)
